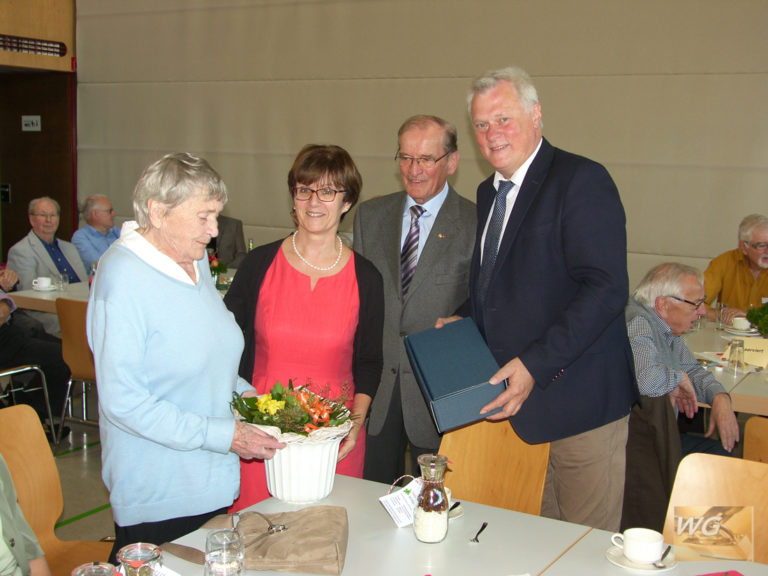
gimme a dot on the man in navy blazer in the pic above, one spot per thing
(552, 306)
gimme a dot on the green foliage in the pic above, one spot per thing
(759, 317)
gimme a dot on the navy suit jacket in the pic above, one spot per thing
(557, 295)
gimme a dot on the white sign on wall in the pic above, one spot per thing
(31, 124)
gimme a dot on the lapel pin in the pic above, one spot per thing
(441, 236)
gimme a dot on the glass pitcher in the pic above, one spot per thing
(430, 519)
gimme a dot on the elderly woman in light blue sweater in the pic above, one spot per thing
(166, 352)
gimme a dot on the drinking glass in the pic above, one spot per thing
(736, 357)
(62, 282)
(720, 311)
(95, 569)
(224, 553)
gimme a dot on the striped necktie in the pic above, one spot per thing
(409, 254)
(492, 235)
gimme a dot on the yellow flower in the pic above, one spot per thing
(267, 405)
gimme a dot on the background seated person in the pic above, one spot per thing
(23, 341)
(739, 277)
(229, 245)
(40, 253)
(666, 303)
(93, 239)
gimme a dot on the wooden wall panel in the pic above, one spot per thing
(52, 20)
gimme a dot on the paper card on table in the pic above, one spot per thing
(452, 366)
(755, 352)
(713, 533)
(401, 503)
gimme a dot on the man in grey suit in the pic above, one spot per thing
(229, 245)
(40, 253)
(421, 240)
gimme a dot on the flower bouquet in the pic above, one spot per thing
(218, 269)
(311, 426)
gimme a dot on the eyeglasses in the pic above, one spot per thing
(323, 194)
(108, 210)
(757, 245)
(696, 304)
(421, 161)
(45, 216)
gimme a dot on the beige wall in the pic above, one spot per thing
(670, 96)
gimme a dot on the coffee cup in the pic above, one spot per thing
(741, 323)
(640, 545)
(42, 283)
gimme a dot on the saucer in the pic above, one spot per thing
(737, 332)
(49, 289)
(615, 555)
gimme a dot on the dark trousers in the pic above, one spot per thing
(158, 532)
(653, 454)
(23, 341)
(385, 452)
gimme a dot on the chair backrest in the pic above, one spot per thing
(707, 480)
(756, 439)
(491, 465)
(33, 469)
(74, 343)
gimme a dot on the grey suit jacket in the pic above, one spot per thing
(29, 259)
(230, 243)
(439, 285)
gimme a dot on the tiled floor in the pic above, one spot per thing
(86, 515)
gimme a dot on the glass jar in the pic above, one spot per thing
(95, 569)
(430, 518)
(140, 559)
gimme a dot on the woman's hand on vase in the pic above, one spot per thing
(250, 442)
(348, 444)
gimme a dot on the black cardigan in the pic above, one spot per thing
(367, 360)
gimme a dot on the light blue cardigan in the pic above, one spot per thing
(166, 356)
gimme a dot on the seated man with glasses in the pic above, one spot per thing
(666, 303)
(99, 231)
(739, 278)
(40, 253)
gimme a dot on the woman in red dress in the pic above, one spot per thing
(311, 309)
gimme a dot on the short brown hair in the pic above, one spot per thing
(317, 161)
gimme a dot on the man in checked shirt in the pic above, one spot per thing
(664, 306)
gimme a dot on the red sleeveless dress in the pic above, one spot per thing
(305, 335)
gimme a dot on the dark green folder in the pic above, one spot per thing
(453, 365)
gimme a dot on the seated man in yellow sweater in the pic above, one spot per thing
(739, 278)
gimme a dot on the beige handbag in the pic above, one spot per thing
(314, 541)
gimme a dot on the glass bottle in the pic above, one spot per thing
(430, 519)
(140, 559)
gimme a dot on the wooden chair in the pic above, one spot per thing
(77, 354)
(12, 388)
(36, 478)
(706, 480)
(491, 465)
(756, 439)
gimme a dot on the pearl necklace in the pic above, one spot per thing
(318, 268)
